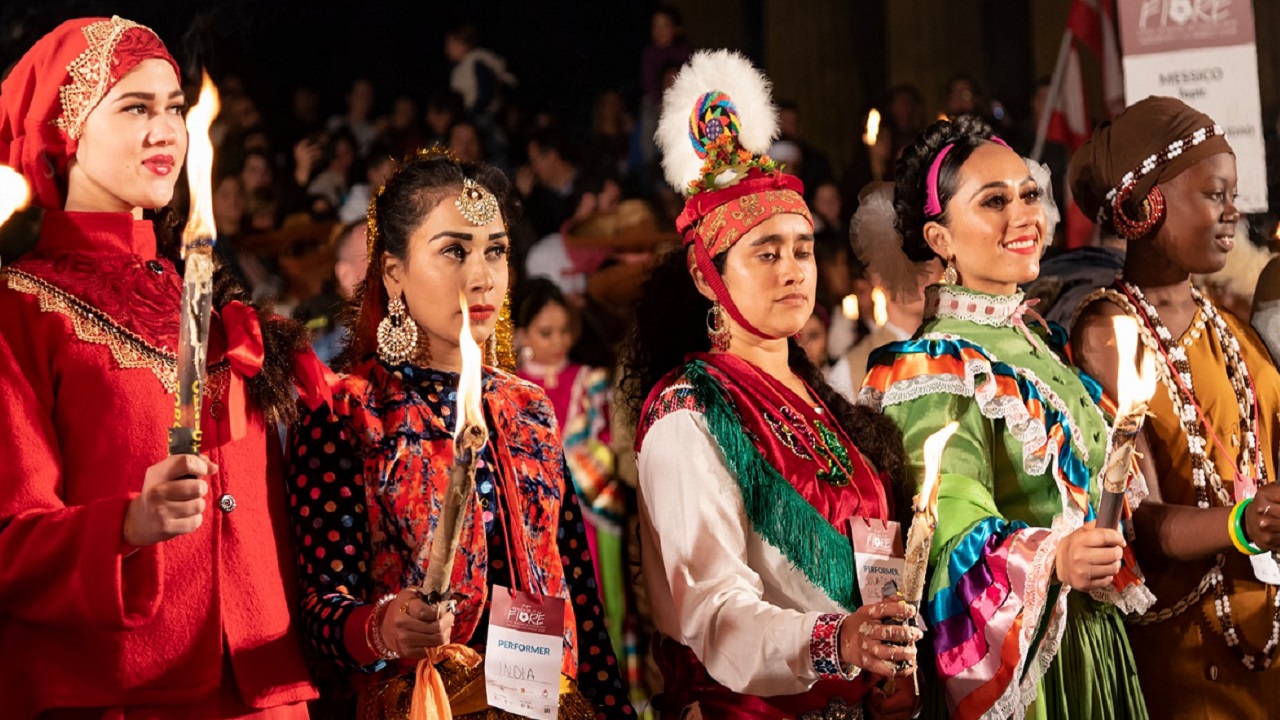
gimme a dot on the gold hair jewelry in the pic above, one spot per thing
(437, 151)
(371, 227)
(502, 354)
(476, 203)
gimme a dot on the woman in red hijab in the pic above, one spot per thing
(133, 585)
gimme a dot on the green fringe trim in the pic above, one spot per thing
(777, 512)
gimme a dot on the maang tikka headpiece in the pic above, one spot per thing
(476, 203)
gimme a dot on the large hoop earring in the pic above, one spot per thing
(397, 334)
(717, 327)
(1152, 213)
(950, 276)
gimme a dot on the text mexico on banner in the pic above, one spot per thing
(1202, 52)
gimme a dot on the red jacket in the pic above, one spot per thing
(88, 324)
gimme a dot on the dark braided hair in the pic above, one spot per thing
(670, 323)
(418, 184)
(967, 133)
(271, 389)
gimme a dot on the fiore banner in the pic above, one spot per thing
(1203, 53)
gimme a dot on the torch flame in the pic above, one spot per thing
(470, 408)
(200, 231)
(14, 192)
(1135, 385)
(879, 307)
(849, 306)
(927, 500)
(873, 128)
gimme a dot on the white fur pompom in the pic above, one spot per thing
(1040, 173)
(877, 243)
(748, 91)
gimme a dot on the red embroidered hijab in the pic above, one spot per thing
(51, 91)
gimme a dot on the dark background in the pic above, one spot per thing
(564, 53)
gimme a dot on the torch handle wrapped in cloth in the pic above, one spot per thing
(1118, 464)
(453, 511)
(1135, 384)
(916, 563)
(468, 440)
(924, 523)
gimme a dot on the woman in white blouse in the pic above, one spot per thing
(749, 475)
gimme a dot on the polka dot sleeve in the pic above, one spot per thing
(330, 531)
(598, 675)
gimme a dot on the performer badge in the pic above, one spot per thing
(1265, 568)
(523, 653)
(878, 556)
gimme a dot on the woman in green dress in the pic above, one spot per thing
(1015, 534)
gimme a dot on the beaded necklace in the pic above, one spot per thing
(1176, 375)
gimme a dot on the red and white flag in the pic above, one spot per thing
(1091, 23)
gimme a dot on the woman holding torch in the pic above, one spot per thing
(132, 584)
(399, 554)
(1024, 589)
(752, 468)
(1162, 176)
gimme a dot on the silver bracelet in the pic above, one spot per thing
(374, 630)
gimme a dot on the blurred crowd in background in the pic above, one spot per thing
(292, 190)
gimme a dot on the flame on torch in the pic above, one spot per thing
(470, 407)
(849, 307)
(200, 231)
(873, 128)
(1135, 385)
(14, 192)
(924, 518)
(927, 500)
(879, 307)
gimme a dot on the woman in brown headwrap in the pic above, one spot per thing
(1163, 176)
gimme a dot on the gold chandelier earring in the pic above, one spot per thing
(397, 334)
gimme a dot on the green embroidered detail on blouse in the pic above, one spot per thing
(839, 464)
(776, 511)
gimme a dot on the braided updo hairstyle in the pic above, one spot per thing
(418, 184)
(967, 133)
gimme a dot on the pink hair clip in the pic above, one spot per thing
(932, 204)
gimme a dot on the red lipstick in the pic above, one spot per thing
(159, 164)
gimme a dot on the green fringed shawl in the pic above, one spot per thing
(776, 510)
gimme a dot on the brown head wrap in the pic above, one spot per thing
(1143, 130)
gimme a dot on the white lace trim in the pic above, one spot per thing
(1135, 598)
(1034, 598)
(992, 311)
